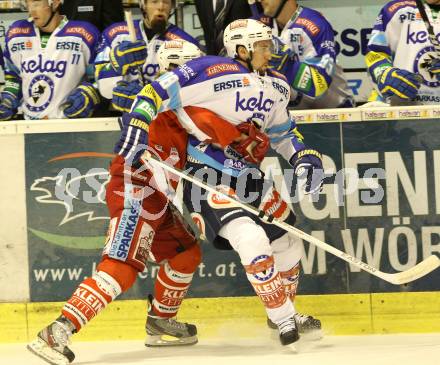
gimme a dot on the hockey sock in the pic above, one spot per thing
(290, 281)
(170, 288)
(287, 252)
(267, 283)
(96, 292)
(252, 245)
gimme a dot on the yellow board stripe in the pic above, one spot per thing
(341, 314)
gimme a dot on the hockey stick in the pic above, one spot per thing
(132, 34)
(428, 26)
(416, 272)
(254, 7)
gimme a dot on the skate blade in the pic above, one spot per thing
(42, 350)
(313, 335)
(167, 340)
(292, 348)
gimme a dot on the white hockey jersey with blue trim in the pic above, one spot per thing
(48, 75)
(401, 35)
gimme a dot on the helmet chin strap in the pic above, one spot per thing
(280, 8)
(249, 62)
(52, 14)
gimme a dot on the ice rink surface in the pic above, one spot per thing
(423, 349)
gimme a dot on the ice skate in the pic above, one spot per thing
(168, 331)
(307, 325)
(288, 332)
(51, 343)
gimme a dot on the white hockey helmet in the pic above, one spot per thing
(176, 52)
(245, 32)
(49, 2)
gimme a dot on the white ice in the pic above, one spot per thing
(420, 349)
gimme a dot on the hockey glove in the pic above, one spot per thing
(307, 165)
(128, 56)
(9, 104)
(134, 139)
(281, 54)
(124, 94)
(434, 68)
(82, 101)
(254, 144)
(402, 83)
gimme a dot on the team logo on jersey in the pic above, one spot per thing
(150, 69)
(33, 66)
(40, 93)
(262, 267)
(418, 37)
(422, 63)
(251, 104)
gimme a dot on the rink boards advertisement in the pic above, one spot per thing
(380, 202)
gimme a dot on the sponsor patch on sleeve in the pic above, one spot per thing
(172, 36)
(75, 30)
(117, 30)
(309, 25)
(18, 31)
(221, 68)
(393, 7)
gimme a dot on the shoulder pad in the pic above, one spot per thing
(20, 28)
(174, 32)
(88, 32)
(312, 21)
(113, 30)
(393, 6)
(207, 67)
(216, 65)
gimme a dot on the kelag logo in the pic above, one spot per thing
(253, 103)
(71, 203)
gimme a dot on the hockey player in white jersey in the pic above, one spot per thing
(243, 91)
(169, 55)
(402, 60)
(306, 55)
(135, 63)
(48, 65)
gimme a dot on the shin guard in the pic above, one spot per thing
(290, 281)
(169, 290)
(90, 298)
(268, 285)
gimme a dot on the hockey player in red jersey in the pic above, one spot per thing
(144, 226)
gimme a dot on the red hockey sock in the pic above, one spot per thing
(169, 290)
(95, 293)
(173, 281)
